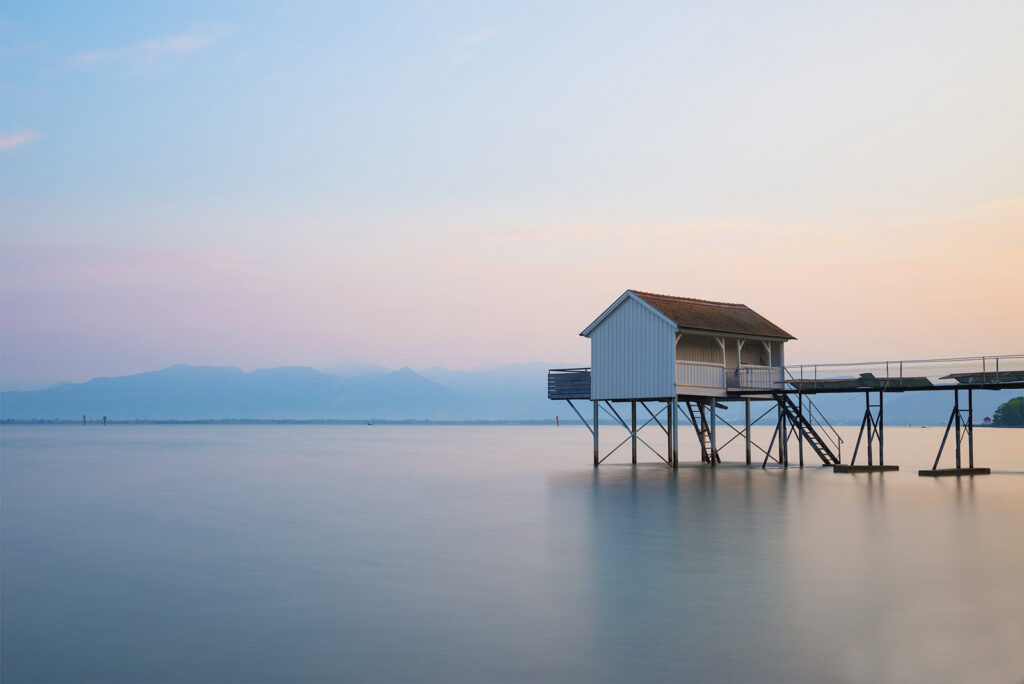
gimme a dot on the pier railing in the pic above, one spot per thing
(963, 372)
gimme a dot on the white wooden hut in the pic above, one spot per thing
(650, 346)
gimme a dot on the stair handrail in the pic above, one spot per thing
(822, 420)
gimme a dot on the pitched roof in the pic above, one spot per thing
(699, 314)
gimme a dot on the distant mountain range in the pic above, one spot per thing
(348, 391)
(357, 392)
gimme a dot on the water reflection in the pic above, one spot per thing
(785, 575)
(495, 554)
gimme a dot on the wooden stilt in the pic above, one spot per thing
(748, 430)
(712, 433)
(634, 432)
(675, 431)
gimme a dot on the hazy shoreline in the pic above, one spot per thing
(270, 421)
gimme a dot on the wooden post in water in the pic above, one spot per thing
(956, 408)
(668, 433)
(970, 427)
(634, 432)
(596, 444)
(747, 401)
(674, 407)
(799, 430)
(714, 440)
(881, 428)
(871, 426)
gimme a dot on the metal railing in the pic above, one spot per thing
(569, 383)
(759, 377)
(700, 374)
(814, 416)
(910, 374)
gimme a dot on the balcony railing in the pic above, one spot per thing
(698, 374)
(715, 376)
(759, 377)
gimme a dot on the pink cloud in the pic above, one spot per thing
(10, 141)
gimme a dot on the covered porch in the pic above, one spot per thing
(707, 364)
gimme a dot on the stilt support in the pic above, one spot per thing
(674, 451)
(747, 431)
(872, 427)
(633, 424)
(963, 420)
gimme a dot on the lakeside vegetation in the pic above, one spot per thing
(1010, 413)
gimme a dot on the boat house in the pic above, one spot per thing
(697, 357)
(651, 346)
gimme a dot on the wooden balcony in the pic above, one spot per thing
(759, 377)
(699, 374)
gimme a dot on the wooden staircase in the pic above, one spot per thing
(703, 431)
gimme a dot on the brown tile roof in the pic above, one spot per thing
(699, 314)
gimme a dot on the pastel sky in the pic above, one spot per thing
(469, 183)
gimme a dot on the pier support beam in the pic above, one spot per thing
(747, 432)
(872, 426)
(597, 444)
(633, 424)
(783, 436)
(964, 427)
(715, 460)
(800, 433)
(674, 451)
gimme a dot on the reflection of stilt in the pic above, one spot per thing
(872, 426)
(964, 427)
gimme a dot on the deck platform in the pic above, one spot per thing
(843, 468)
(954, 472)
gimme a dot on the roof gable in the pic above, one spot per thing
(699, 314)
(628, 294)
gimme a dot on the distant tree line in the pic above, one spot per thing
(1010, 413)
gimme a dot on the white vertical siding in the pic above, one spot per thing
(702, 348)
(631, 354)
(754, 353)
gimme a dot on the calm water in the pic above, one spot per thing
(420, 554)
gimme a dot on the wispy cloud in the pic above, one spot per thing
(467, 47)
(11, 140)
(1011, 205)
(478, 38)
(154, 48)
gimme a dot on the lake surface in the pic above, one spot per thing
(443, 554)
